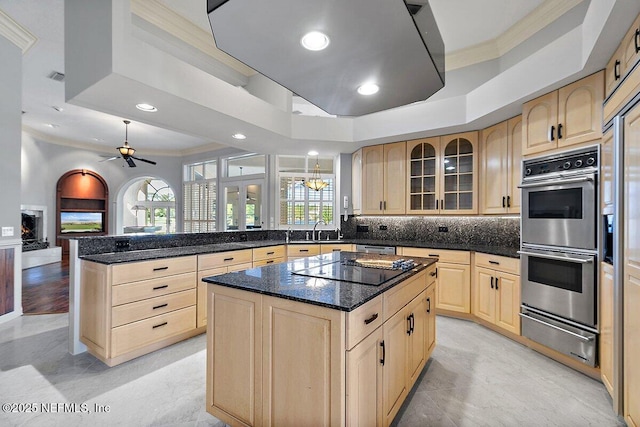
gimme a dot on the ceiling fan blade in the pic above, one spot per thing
(109, 158)
(144, 160)
(130, 161)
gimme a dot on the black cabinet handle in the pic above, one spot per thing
(434, 255)
(160, 325)
(160, 306)
(436, 273)
(160, 268)
(508, 201)
(437, 204)
(560, 131)
(336, 250)
(504, 202)
(492, 283)
(433, 273)
(380, 205)
(371, 319)
(616, 70)
(270, 261)
(228, 259)
(160, 287)
(429, 305)
(442, 204)
(383, 353)
(496, 283)
(637, 40)
(413, 322)
(409, 325)
(385, 205)
(551, 133)
(494, 262)
(270, 253)
(304, 250)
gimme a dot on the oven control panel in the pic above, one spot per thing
(575, 161)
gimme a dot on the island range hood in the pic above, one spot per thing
(388, 43)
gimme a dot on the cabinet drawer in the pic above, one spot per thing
(500, 263)
(240, 267)
(337, 247)
(221, 259)
(132, 272)
(264, 262)
(303, 250)
(443, 255)
(363, 320)
(127, 313)
(130, 292)
(270, 252)
(145, 332)
(396, 298)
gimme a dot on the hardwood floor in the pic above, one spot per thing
(45, 289)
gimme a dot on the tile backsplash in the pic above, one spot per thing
(472, 230)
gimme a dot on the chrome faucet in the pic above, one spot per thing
(287, 235)
(313, 235)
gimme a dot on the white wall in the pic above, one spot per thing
(43, 163)
(10, 124)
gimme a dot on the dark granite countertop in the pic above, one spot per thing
(150, 254)
(278, 280)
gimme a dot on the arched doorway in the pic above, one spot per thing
(148, 206)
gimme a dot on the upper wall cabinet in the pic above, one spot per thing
(500, 167)
(442, 174)
(568, 116)
(383, 179)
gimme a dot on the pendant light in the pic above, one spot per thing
(126, 150)
(315, 182)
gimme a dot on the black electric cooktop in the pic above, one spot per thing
(352, 271)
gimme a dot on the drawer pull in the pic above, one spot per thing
(434, 255)
(383, 353)
(270, 253)
(160, 268)
(494, 262)
(429, 305)
(336, 250)
(228, 259)
(433, 273)
(371, 319)
(304, 250)
(160, 325)
(160, 287)
(270, 261)
(636, 40)
(160, 306)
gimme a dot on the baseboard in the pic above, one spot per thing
(11, 316)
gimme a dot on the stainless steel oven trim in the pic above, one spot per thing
(581, 337)
(587, 260)
(558, 318)
(559, 181)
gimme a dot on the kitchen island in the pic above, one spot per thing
(302, 343)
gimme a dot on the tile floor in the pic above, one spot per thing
(475, 378)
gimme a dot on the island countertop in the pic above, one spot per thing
(277, 280)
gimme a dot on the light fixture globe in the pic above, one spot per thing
(315, 182)
(125, 150)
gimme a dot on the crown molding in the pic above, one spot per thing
(52, 139)
(183, 29)
(16, 33)
(535, 21)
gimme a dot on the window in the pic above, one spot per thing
(150, 207)
(200, 198)
(299, 206)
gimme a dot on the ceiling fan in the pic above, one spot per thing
(126, 151)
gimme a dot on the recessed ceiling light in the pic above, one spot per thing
(146, 107)
(368, 89)
(239, 136)
(315, 40)
(312, 153)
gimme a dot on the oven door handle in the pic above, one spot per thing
(558, 258)
(583, 338)
(557, 182)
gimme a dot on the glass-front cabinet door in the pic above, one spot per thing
(443, 174)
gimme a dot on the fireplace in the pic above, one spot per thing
(33, 230)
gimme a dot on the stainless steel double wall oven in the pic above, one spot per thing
(559, 255)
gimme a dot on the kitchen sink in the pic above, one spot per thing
(308, 242)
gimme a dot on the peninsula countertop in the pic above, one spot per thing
(178, 251)
(277, 280)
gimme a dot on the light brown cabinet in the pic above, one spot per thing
(127, 310)
(383, 178)
(259, 349)
(442, 174)
(568, 116)
(303, 250)
(497, 291)
(213, 265)
(500, 167)
(327, 248)
(453, 274)
(623, 59)
(631, 268)
(606, 326)
(606, 172)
